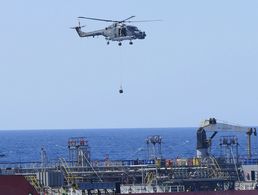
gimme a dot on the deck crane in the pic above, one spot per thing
(212, 125)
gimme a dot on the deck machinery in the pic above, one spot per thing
(203, 172)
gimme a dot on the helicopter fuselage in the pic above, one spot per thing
(115, 32)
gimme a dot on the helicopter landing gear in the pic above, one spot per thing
(121, 89)
(130, 42)
(119, 43)
(108, 43)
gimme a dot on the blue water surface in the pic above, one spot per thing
(118, 144)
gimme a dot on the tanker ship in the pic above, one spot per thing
(203, 174)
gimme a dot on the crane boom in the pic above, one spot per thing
(211, 125)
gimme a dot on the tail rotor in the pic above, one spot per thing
(79, 26)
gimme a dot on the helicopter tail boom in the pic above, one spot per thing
(79, 31)
(88, 34)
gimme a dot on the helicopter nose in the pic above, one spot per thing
(143, 35)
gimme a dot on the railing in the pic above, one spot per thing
(96, 164)
(248, 161)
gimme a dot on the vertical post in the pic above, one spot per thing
(249, 133)
(143, 176)
(249, 146)
(156, 178)
(237, 155)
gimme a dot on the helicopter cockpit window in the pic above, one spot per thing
(132, 28)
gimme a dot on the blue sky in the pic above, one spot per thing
(199, 62)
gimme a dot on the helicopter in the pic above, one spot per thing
(118, 31)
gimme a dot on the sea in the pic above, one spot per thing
(117, 144)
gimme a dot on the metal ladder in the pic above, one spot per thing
(68, 173)
(33, 181)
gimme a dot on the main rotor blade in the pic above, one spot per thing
(105, 20)
(134, 21)
(127, 19)
(98, 19)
